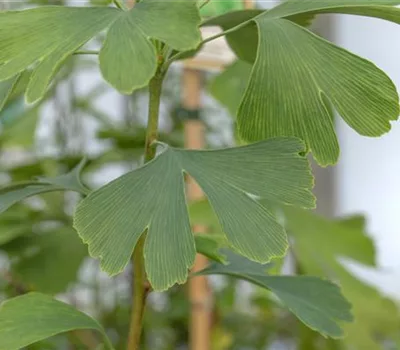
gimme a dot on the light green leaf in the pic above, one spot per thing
(298, 80)
(128, 58)
(48, 262)
(32, 317)
(47, 36)
(317, 303)
(6, 88)
(128, 62)
(9, 195)
(112, 219)
(209, 245)
(229, 86)
(318, 245)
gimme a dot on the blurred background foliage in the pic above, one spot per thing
(39, 251)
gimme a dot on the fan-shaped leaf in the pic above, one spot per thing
(175, 23)
(317, 303)
(47, 36)
(32, 317)
(290, 71)
(112, 219)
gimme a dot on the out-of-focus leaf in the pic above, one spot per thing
(32, 317)
(215, 8)
(21, 132)
(48, 262)
(210, 245)
(9, 195)
(318, 245)
(112, 219)
(318, 303)
(229, 86)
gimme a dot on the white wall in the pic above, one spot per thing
(368, 174)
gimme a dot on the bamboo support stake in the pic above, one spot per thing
(248, 4)
(199, 290)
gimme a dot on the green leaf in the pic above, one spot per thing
(229, 86)
(48, 262)
(128, 62)
(112, 219)
(317, 303)
(27, 319)
(283, 75)
(128, 58)
(6, 88)
(53, 33)
(209, 245)
(9, 195)
(318, 246)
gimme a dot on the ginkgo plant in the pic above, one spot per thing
(294, 82)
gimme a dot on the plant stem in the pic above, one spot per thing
(141, 287)
(86, 52)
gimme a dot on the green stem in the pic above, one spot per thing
(86, 52)
(181, 54)
(141, 287)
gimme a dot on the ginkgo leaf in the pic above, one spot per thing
(33, 317)
(290, 90)
(316, 302)
(6, 88)
(9, 195)
(112, 219)
(175, 23)
(45, 37)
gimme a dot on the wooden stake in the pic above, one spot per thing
(199, 291)
(248, 4)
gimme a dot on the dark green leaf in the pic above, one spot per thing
(27, 319)
(112, 219)
(14, 193)
(317, 303)
(49, 262)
